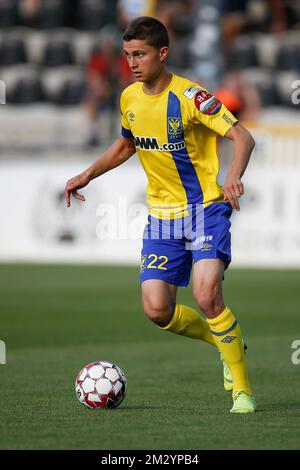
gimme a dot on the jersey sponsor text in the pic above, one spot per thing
(151, 143)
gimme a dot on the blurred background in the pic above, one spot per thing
(61, 74)
(69, 289)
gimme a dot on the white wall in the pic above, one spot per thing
(36, 225)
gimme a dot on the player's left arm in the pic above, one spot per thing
(243, 144)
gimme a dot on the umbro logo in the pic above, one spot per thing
(228, 339)
(131, 117)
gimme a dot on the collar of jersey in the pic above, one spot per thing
(153, 97)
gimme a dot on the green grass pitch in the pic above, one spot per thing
(56, 319)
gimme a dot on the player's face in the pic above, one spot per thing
(145, 62)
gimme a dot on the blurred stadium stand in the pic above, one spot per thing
(8, 13)
(264, 82)
(46, 45)
(63, 69)
(64, 86)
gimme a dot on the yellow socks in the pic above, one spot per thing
(222, 331)
(228, 339)
(187, 322)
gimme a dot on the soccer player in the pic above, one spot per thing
(173, 125)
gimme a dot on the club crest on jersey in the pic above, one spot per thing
(143, 263)
(175, 128)
(207, 103)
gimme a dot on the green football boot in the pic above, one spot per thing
(243, 403)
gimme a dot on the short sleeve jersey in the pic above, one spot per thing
(175, 135)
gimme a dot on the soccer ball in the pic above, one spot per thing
(101, 384)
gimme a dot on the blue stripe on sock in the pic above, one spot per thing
(226, 331)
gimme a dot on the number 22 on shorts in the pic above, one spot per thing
(162, 260)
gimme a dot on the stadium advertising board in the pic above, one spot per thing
(108, 227)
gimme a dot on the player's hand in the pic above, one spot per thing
(233, 189)
(73, 185)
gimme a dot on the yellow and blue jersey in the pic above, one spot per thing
(175, 135)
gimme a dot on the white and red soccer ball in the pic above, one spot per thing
(101, 384)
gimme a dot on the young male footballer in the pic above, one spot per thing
(173, 125)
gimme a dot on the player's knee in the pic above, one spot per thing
(209, 300)
(158, 314)
(205, 302)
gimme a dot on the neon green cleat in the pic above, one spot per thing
(227, 376)
(243, 403)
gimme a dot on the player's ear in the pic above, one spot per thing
(163, 53)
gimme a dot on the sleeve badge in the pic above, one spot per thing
(191, 92)
(207, 103)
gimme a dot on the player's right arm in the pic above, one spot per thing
(120, 151)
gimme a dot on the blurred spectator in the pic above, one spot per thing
(277, 16)
(107, 74)
(293, 13)
(29, 11)
(244, 102)
(240, 98)
(130, 9)
(182, 18)
(47, 14)
(164, 12)
(234, 18)
(240, 16)
(178, 17)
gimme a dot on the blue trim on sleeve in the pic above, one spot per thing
(126, 132)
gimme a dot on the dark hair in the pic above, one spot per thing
(149, 29)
